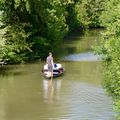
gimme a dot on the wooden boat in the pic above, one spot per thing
(57, 70)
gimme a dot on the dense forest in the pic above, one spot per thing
(29, 29)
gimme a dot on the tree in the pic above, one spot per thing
(110, 50)
(37, 26)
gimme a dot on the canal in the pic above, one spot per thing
(77, 95)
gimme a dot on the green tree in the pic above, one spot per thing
(94, 9)
(37, 26)
(85, 13)
(110, 50)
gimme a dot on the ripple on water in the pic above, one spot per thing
(87, 102)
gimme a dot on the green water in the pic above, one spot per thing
(77, 95)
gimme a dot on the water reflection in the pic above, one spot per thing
(51, 90)
(87, 56)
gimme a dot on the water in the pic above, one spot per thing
(77, 95)
(87, 56)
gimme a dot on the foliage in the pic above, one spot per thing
(39, 26)
(2, 44)
(88, 12)
(94, 9)
(48, 26)
(72, 12)
(84, 13)
(16, 45)
(110, 50)
(33, 27)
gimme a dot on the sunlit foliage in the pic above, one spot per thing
(110, 49)
(32, 28)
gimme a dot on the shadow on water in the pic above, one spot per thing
(12, 70)
(77, 43)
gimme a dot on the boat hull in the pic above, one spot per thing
(57, 71)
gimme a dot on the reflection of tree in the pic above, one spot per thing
(77, 43)
(51, 90)
(85, 71)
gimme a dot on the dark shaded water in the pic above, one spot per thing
(77, 95)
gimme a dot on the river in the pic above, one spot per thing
(77, 95)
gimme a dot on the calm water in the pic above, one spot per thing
(77, 95)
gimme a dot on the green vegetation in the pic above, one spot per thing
(111, 51)
(30, 29)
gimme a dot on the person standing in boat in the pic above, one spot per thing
(50, 63)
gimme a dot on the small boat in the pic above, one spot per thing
(57, 70)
